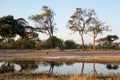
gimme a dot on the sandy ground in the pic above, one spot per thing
(68, 55)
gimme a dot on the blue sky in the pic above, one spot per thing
(107, 10)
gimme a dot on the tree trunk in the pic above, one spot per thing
(94, 47)
(83, 45)
(94, 37)
(51, 33)
(52, 36)
(52, 42)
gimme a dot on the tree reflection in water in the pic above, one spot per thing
(7, 67)
(27, 65)
(94, 69)
(33, 65)
(57, 64)
(112, 66)
(82, 68)
(53, 64)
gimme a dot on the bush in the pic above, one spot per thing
(79, 46)
(57, 43)
(26, 44)
(21, 44)
(3, 45)
(70, 44)
(40, 45)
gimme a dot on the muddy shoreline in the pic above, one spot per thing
(51, 55)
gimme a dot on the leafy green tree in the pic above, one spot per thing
(9, 28)
(96, 27)
(45, 21)
(80, 21)
(108, 42)
(70, 44)
(110, 39)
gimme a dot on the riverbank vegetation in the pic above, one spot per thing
(103, 44)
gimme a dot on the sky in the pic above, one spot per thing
(107, 10)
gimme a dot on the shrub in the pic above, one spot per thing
(57, 41)
(40, 45)
(70, 44)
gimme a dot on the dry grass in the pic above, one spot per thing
(43, 76)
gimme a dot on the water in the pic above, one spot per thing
(61, 68)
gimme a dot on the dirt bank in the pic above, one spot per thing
(88, 56)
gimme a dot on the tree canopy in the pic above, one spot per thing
(9, 27)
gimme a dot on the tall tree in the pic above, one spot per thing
(80, 21)
(45, 22)
(96, 27)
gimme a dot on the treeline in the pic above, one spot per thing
(33, 44)
(59, 44)
(82, 21)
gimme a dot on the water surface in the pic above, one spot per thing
(61, 68)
